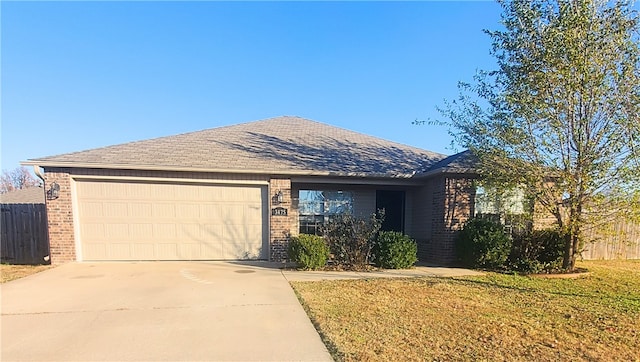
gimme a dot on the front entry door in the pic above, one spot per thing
(393, 204)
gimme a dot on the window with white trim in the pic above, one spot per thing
(316, 207)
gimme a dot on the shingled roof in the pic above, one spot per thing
(460, 163)
(281, 145)
(29, 195)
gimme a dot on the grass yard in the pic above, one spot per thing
(11, 272)
(493, 317)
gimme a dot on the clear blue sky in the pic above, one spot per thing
(81, 75)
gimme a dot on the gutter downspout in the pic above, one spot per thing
(38, 172)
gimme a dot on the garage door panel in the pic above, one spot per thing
(189, 193)
(115, 209)
(91, 209)
(253, 252)
(190, 251)
(161, 192)
(189, 232)
(140, 231)
(167, 251)
(234, 249)
(93, 232)
(187, 211)
(164, 231)
(142, 250)
(253, 231)
(119, 251)
(253, 212)
(136, 191)
(116, 231)
(162, 210)
(140, 210)
(212, 250)
(161, 221)
(95, 251)
(113, 189)
(94, 191)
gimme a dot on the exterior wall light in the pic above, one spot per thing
(54, 191)
(279, 197)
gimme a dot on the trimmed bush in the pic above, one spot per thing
(351, 239)
(483, 244)
(308, 251)
(538, 251)
(394, 250)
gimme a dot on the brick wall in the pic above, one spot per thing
(60, 218)
(453, 201)
(421, 217)
(280, 227)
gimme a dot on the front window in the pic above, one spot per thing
(490, 201)
(316, 207)
(507, 206)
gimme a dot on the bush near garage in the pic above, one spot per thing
(394, 250)
(308, 251)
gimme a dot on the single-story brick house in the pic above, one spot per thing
(239, 192)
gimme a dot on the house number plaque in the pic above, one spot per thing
(279, 211)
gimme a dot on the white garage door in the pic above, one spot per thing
(128, 220)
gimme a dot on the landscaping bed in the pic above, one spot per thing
(490, 317)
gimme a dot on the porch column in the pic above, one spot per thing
(281, 218)
(62, 247)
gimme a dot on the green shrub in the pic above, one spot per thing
(308, 251)
(483, 244)
(394, 250)
(538, 251)
(351, 239)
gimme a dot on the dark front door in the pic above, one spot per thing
(393, 204)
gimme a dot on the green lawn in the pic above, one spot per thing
(11, 272)
(493, 317)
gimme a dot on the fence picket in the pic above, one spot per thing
(23, 233)
(622, 243)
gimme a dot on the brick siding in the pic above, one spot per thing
(280, 227)
(60, 217)
(453, 202)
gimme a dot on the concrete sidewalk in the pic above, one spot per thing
(416, 272)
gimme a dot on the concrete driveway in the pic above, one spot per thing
(156, 311)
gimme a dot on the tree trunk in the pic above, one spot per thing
(569, 259)
(572, 239)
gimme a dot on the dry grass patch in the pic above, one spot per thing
(11, 272)
(493, 317)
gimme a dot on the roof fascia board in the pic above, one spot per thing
(63, 164)
(358, 181)
(441, 171)
(169, 179)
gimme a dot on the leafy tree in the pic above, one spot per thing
(18, 178)
(561, 112)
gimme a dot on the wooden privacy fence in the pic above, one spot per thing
(620, 241)
(24, 234)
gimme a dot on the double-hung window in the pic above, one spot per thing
(316, 207)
